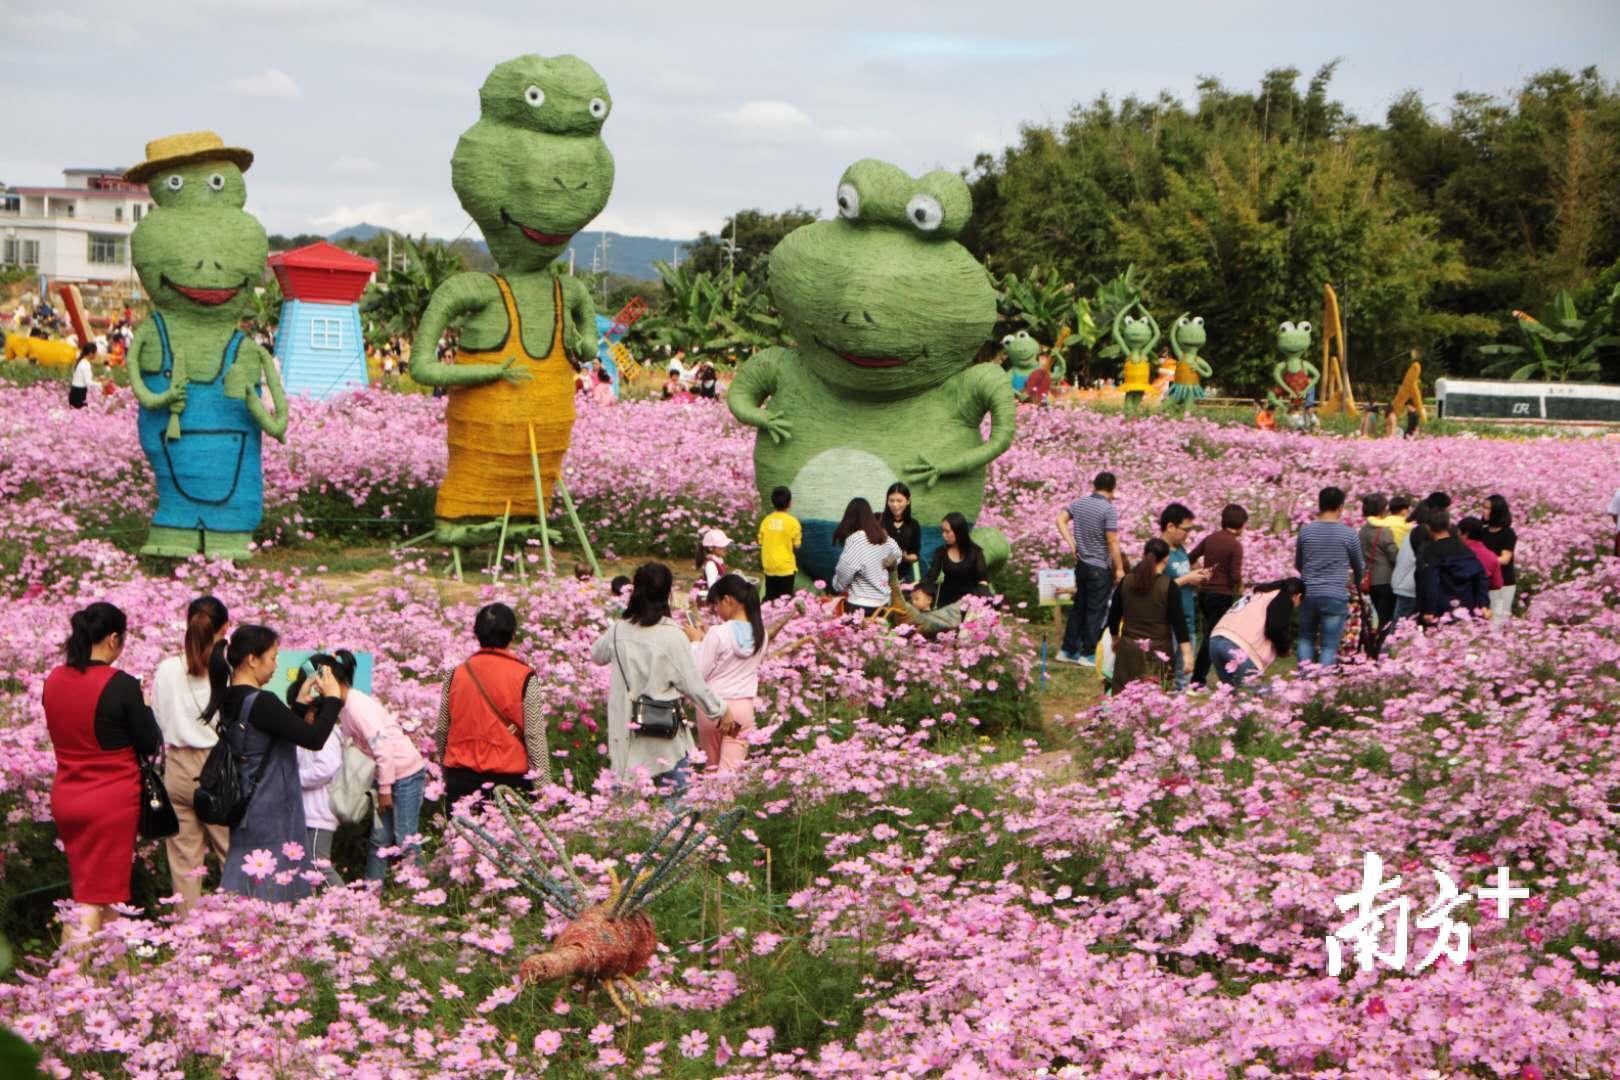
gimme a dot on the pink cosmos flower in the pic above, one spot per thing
(259, 864)
(694, 1044)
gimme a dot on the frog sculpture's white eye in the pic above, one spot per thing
(849, 202)
(599, 108)
(1008, 340)
(1024, 335)
(534, 95)
(1304, 328)
(217, 182)
(1285, 328)
(1198, 320)
(1130, 320)
(175, 182)
(925, 212)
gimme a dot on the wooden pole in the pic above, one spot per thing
(573, 515)
(455, 556)
(500, 546)
(540, 502)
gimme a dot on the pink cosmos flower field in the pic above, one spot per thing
(939, 873)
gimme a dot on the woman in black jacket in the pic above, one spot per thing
(958, 567)
(903, 529)
(260, 726)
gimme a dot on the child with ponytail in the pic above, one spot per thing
(401, 772)
(728, 656)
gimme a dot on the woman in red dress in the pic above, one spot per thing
(98, 722)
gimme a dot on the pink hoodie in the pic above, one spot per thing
(722, 659)
(1245, 624)
(375, 731)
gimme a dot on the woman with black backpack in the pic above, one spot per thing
(260, 736)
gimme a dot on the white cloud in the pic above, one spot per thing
(773, 120)
(269, 83)
(354, 165)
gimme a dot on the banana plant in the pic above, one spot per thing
(1561, 346)
(1042, 303)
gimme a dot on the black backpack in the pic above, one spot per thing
(220, 798)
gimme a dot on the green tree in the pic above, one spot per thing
(755, 233)
(1561, 346)
(398, 300)
(704, 314)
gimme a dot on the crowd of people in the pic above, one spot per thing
(1179, 614)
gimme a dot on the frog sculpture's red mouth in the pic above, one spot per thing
(545, 239)
(209, 297)
(873, 361)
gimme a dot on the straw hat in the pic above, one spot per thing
(193, 146)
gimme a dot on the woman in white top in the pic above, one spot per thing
(83, 375)
(648, 655)
(316, 771)
(862, 573)
(179, 698)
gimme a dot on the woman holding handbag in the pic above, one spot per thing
(651, 665)
(98, 724)
(180, 694)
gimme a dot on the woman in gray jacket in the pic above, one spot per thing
(649, 655)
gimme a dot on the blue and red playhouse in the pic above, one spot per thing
(319, 345)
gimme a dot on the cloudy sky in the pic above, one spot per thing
(353, 108)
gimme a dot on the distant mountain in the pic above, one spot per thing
(358, 233)
(632, 256)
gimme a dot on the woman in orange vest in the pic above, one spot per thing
(491, 729)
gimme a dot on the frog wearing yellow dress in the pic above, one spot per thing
(532, 172)
(1186, 339)
(1136, 338)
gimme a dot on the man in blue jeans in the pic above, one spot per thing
(1325, 554)
(1089, 528)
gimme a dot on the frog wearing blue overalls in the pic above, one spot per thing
(196, 375)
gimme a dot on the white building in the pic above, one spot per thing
(77, 232)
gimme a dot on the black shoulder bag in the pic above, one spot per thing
(221, 798)
(651, 717)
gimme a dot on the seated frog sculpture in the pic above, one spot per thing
(531, 172)
(1295, 376)
(196, 375)
(887, 312)
(1023, 355)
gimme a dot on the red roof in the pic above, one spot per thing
(322, 272)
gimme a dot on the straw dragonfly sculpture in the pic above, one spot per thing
(609, 943)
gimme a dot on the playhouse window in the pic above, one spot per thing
(325, 333)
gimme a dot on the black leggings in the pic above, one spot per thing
(459, 783)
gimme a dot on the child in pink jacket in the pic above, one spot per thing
(401, 771)
(728, 656)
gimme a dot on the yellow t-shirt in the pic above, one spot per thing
(1398, 526)
(779, 536)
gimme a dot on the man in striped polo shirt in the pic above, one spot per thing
(1089, 528)
(1325, 554)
